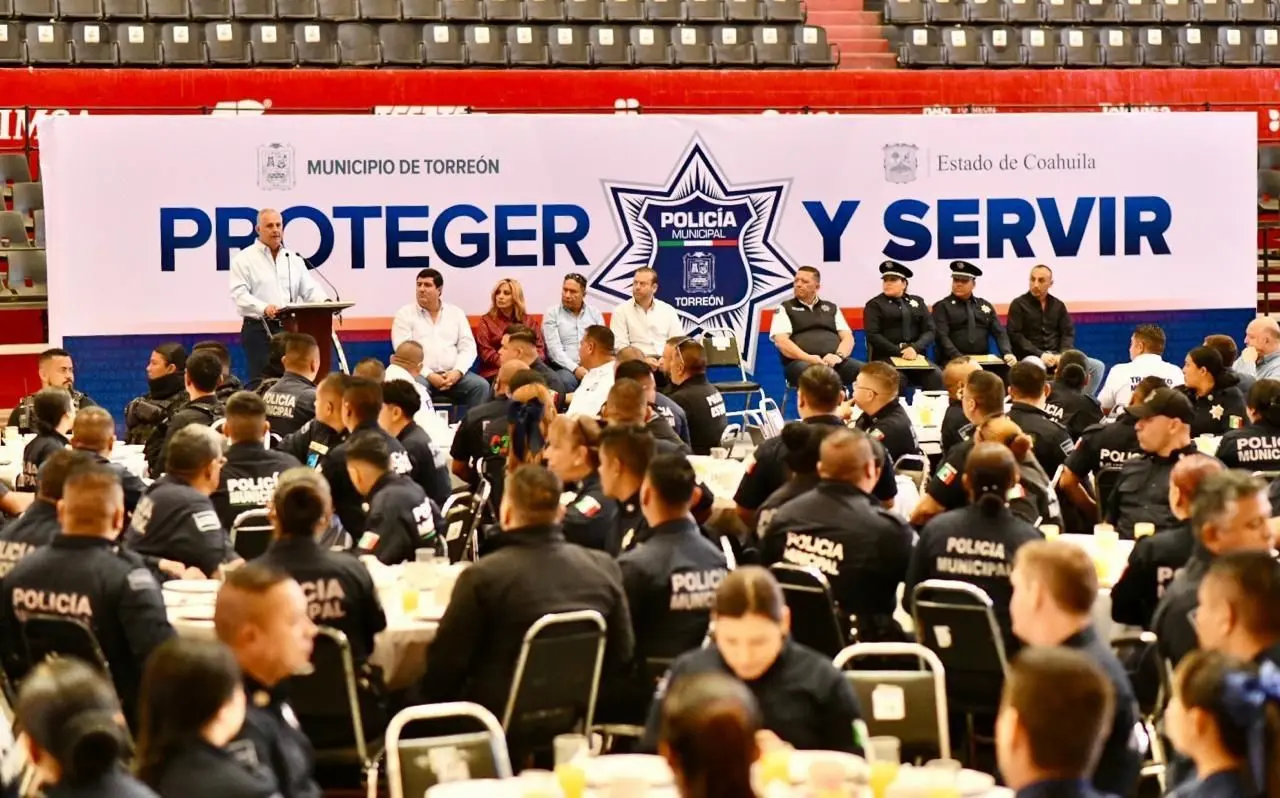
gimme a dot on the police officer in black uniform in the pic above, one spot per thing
(311, 444)
(701, 401)
(625, 453)
(38, 525)
(361, 405)
(251, 470)
(899, 324)
(56, 371)
(663, 406)
(228, 383)
(401, 518)
(166, 386)
(572, 454)
(801, 443)
(955, 426)
(875, 393)
(1256, 447)
(51, 413)
(176, 527)
(1219, 405)
(1142, 488)
(263, 617)
(628, 403)
(291, 400)
(400, 403)
(204, 371)
(966, 323)
(840, 529)
(811, 331)
(818, 398)
(1068, 403)
(469, 444)
(94, 432)
(84, 575)
(1028, 389)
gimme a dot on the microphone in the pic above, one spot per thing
(337, 297)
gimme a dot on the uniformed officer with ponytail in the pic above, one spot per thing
(1256, 447)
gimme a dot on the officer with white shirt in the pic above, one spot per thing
(1145, 348)
(644, 321)
(447, 341)
(595, 353)
(808, 331)
(406, 364)
(264, 278)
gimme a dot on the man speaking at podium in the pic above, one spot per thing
(266, 277)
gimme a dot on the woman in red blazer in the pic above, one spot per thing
(506, 308)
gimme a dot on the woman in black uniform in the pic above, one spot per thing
(1256, 447)
(572, 453)
(192, 705)
(1068, 402)
(74, 733)
(1211, 387)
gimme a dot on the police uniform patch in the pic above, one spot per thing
(1068, 446)
(913, 303)
(947, 474)
(986, 308)
(1016, 492)
(141, 579)
(368, 541)
(877, 434)
(207, 521)
(1216, 412)
(627, 538)
(1235, 422)
(587, 506)
(243, 752)
(567, 498)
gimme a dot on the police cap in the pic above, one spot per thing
(891, 268)
(1166, 402)
(964, 270)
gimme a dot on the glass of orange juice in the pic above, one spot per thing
(884, 753)
(775, 766)
(409, 598)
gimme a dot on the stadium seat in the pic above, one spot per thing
(226, 44)
(1254, 11)
(1040, 47)
(11, 44)
(399, 44)
(421, 10)
(748, 10)
(650, 46)
(784, 11)
(206, 10)
(37, 220)
(464, 10)
(610, 45)
(691, 46)
(527, 46)
(985, 11)
(584, 10)
(773, 47)
(922, 46)
(35, 9)
(733, 46)
(6, 9)
(253, 9)
(79, 9)
(315, 44)
(946, 12)
(358, 45)
(667, 11)
(1197, 46)
(13, 231)
(48, 44)
(485, 45)
(504, 10)
(182, 44)
(91, 45)
(568, 45)
(297, 9)
(29, 197)
(813, 49)
(1120, 47)
(14, 167)
(28, 266)
(1214, 11)
(379, 10)
(1062, 11)
(1159, 47)
(1236, 47)
(704, 11)
(1268, 39)
(1176, 11)
(116, 10)
(1023, 11)
(1080, 46)
(904, 12)
(271, 44)
(963, 46)
(339, 11)
(1001, 46)
(442, 45)
(1100, 12)
(544, 10)
(624, 10)
(138, 44)
(1139, 12)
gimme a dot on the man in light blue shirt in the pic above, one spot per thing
(1261, 357)
(563, 325)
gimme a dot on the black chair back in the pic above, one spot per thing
(816, 620)
(956, 620)
(472, 746)
(328, 698)
(910, 705)
(251, 533)
(47, 636)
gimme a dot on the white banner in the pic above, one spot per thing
(1134, 212)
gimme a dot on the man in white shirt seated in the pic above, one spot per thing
(562, 328)
(1145, 348)
(644, 321)
(264, 278)
(1261, 356)
(595, 353)
(406, 364)
(448, 345)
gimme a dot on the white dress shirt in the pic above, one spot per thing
(593, 391)
(647, 330)
(782, 322)
(563, 331)
(1124, 377)
(447, 341)
(258, 280)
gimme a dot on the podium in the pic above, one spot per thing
(315, 319)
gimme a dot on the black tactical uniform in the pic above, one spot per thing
(892, 427)
(201, 410)
(93, 580)
(1051, 443)
(1217, 412)
(590, 517)
(144, 413)
(130, 483)
(860, 547)
(401, 520)
(894, 323)
(201, 770)
(117, 783)
(348, 504)
(955, 425)
(1252, 448)
(1172, 622)
(23, 415)
(966, 326)
(1142, 492)
(704, 406)
(429, 464)
(311, 444)
(1075, 410)
(249, 478)
(1103, 450)
(1120, 762)
(792, 488)
(631, 527)
(37, 450)
(1152, 565)
(36, 527)
(674, 414)
(278, 740)
(291, 402)
(174, 521)
(1030, 500)
(665, 439)
(469, 444)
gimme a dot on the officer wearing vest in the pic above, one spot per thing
(810, 331)
(38, 525)
(1256, 447)
(671, 578)
(291, 400)
(251, 470)
(875, 393)
(204, 371)
(401, 518)
(400, 403)
(52, 415)
(176, 527)
(1028, 388)
(966, 323)
(262, 616)
(166, 386)
(56, 371)
(900, 325)
(310, 445)
(841, 530)
(1142, 488)
(84, 575)
(361, 405)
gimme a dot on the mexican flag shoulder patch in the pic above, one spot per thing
(588, 506)
(947, 474)
(368, 541)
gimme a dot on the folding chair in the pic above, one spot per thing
(459, 513)
(46, 636)
(251, 533)
(556, 679)
(414, 763)
(921, 721)
(816, 620)
(1149, 677)
(919, 474)
(721, 346)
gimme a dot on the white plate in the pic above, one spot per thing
(193, 612)
(193, 585)
(603, 771)
(975, 782)
(855, 767)
(475, 788)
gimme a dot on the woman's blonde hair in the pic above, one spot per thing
(517, 299)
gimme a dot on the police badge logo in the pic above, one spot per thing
(275, 167)
(712, 243)
(900, 162)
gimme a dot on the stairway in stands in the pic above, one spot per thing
(857, 31)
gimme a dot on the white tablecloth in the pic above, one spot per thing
(130, 457)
